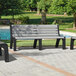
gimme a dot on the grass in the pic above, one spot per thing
(69, 30)
(44, 42)
(63, 22)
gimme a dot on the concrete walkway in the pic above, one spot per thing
(67, 33)
(32, 62)
(4, 27)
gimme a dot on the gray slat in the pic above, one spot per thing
(24, 38)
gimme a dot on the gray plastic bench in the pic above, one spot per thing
(5, 47)
(36, 32)
(72, 43)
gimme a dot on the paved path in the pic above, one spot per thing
(4, 27)
(32, 62)
(67, 33)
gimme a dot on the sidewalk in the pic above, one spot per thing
(67, 33)
(32, 62)
(4, 27)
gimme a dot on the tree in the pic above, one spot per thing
(15, 5)
(58, 7)
(10, 5)
(31, 4)
(43, 5)
(71, 9)
(2, 6)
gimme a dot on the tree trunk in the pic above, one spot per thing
(38, 11)
(43, 20)
(74, 21)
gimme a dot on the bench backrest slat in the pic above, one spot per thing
(34, 30)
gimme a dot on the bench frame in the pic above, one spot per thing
(72, 43)
(13, 41)
(57, 43)
(6, 54)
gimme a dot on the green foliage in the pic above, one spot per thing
(24, 20)
(10, 6)
(71, 9)
(2, 6)
(58, 7)
(30, 4)
(1, 23)
(71, 6)
(44, 4)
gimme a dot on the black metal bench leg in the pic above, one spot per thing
(57, 43)
(40, 44)
(11, 42)
(6, 53)
(72, 44)
(0, 52)
(63, 43)
(35, 43)
(14, 40)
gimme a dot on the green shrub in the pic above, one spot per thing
(1, 23)
(24, 20)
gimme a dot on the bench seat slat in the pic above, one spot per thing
(24, 38)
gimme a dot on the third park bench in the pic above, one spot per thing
(35, 32)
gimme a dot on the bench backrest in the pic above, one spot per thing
(34, 30)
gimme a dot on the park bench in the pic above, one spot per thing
(5, 47)
(72, 42)
(36, 32)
